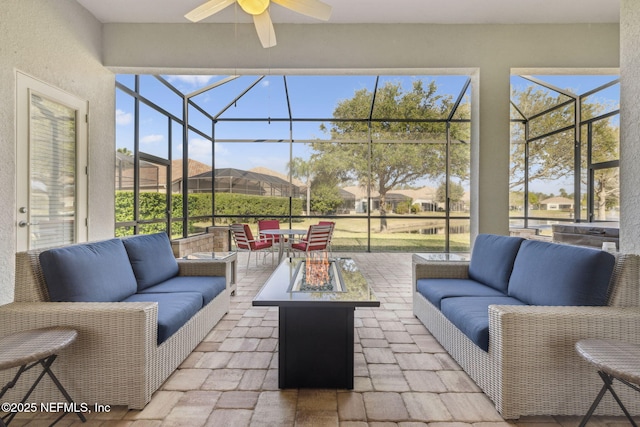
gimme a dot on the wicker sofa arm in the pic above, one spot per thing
(115, 340)
(534, 346)
(533, 326)
(427, 269)
(109, 324)
(209, 267)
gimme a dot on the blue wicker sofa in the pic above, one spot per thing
(138, 310)
(511, 316)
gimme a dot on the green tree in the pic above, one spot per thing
(326, 199)
(456, 192)
(403, 150)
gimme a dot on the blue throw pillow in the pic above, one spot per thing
(553, 274)
(152, 258)
(492, 260)
(88, 272)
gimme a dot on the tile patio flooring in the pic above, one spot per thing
(403, 377)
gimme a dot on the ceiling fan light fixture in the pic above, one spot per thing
(254, 7)
(259, 9)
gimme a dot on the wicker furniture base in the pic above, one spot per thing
(531, 367)
(116, 359)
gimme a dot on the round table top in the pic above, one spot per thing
(34, 344)
(618, 358)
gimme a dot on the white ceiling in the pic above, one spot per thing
(375, 11)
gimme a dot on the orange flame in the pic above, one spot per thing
(317, 269)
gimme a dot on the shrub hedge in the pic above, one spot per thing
(240, 206)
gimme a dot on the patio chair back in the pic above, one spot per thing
(243, 238)
(317, 239)
(269, 224)
(333, 226)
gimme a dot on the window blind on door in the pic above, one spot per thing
(52, 171)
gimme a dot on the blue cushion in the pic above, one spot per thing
(152, 258)
(492, 260)
(471, 315)
(208, 287)
(552, 274)
(174, 309)
(88, 272)
(435, 290)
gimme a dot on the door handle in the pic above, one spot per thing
(23, 224)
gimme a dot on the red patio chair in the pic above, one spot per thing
(333, 227)
(317, 239)
(243, 238)
(269, 224)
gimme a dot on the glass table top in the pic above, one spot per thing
(281, 288)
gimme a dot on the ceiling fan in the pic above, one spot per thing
(259, 10)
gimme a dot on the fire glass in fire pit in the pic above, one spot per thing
(317, 273)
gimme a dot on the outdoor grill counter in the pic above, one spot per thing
(592, 234)
(316, 319)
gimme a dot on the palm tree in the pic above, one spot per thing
(303, 170)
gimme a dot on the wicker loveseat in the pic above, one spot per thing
(124, 350)
(530, 366)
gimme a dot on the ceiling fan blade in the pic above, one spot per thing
(208, 9)
(264, 27)
(313, 8)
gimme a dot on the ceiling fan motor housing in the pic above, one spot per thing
(254, 7)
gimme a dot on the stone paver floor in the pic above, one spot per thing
(403, 377)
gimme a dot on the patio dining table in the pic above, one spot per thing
(283, 232)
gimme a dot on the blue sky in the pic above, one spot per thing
(311, 97)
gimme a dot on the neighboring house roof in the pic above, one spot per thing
(424, 193)
(557, 201)
(346, 195)
(242, 174)
(267, 171)
(359, 192)
(194, 168)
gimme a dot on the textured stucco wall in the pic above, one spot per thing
(60, 43)
(630, 126)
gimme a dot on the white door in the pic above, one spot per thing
(51, 165)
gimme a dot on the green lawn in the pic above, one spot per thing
(350, 234)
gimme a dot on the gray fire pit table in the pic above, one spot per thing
(316, 329)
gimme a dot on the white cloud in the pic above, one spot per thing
(220, 149)
(147, 139)
(191, 80)
(265, 83)
(200, 150)
(123, 118)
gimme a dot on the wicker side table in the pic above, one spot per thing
(31, 348)
(614, 360)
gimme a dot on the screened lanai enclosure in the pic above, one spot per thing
(385, 157)
(565, 151)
